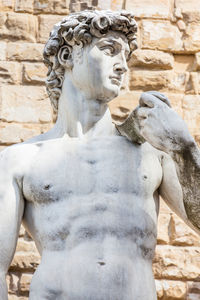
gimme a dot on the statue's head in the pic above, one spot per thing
(93, 47)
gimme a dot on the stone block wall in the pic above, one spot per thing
(167, 60)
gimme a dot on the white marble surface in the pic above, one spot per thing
(87, 195)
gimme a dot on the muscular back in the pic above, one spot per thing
(91, 205)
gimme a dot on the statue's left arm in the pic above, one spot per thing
(180, 186)
(161, 126)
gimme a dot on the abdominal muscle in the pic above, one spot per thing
(82, 274)
(107, 257)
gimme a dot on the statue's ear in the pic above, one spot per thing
(65, 56)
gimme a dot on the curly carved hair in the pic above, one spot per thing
(79, 28)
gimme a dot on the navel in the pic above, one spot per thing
(47, 186)
(91, 161)
(101, 263)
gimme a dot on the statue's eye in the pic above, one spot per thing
(108, 49)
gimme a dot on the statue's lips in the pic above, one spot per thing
(115, 80)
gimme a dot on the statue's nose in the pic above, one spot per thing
(120, 68)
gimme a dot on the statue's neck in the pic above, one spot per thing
(80, 116)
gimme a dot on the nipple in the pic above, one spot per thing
(101, 263)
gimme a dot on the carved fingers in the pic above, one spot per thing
(153, 116)
(157, 123)
(142, 115)
(160, 125)
(160, 96)
(153, 98)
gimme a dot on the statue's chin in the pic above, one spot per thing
(110, 93)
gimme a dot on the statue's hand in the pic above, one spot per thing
(160, 125)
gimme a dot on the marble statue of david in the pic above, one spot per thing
(86, 191)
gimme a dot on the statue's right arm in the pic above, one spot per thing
(11, 212)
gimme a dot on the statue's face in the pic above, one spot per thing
(98, 68)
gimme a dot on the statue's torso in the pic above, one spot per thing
(92, 210)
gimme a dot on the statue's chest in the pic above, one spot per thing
(106, 165)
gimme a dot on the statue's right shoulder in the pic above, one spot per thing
(15, 156)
